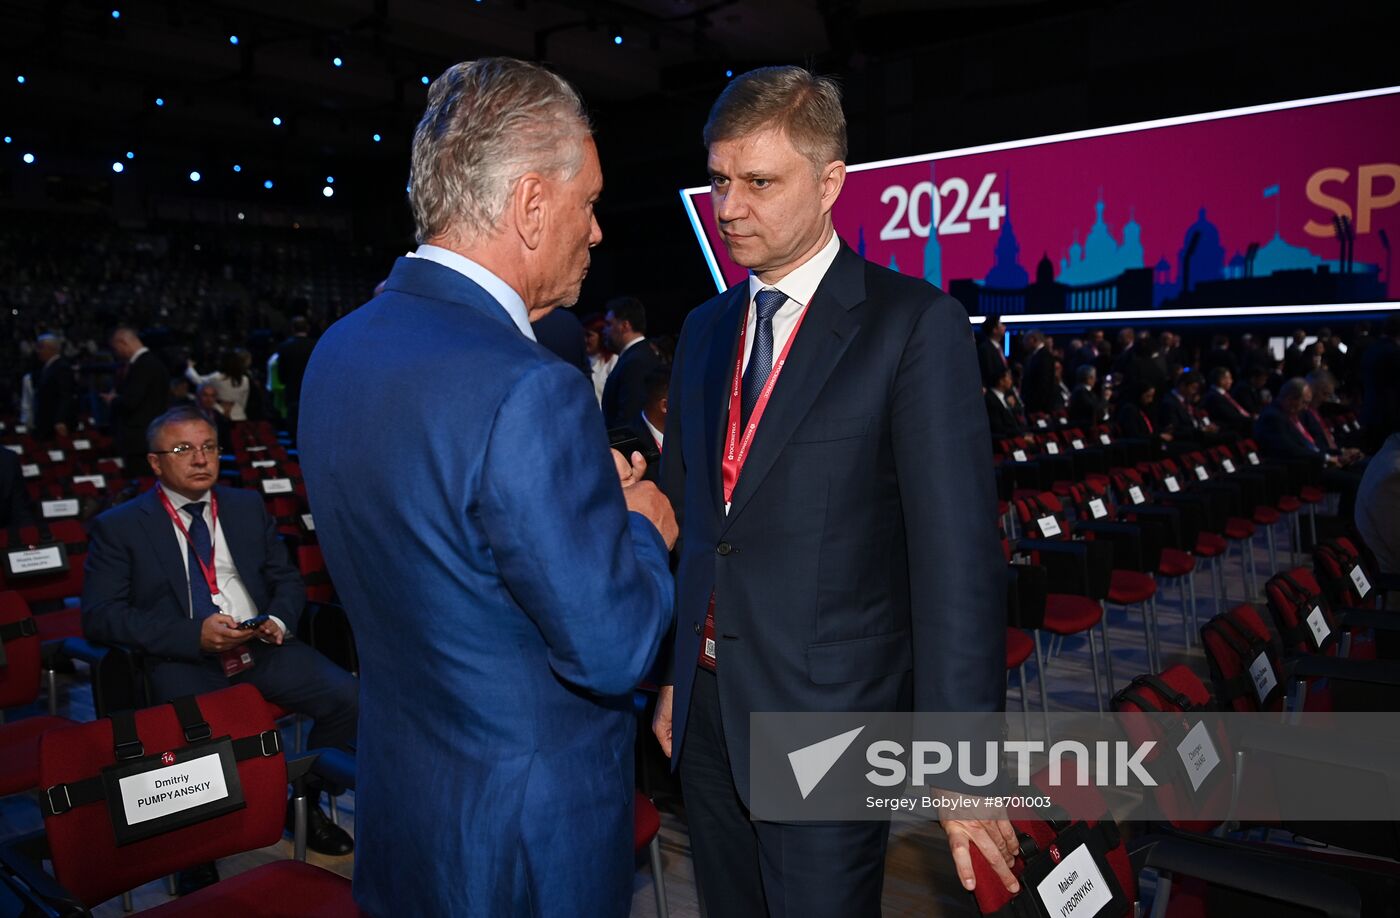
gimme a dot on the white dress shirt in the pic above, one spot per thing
(500, 291)
(798, 286)
(233, 598)
(656, 434)
(600, 368)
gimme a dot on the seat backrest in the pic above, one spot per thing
(1342, 572)
(313, 571)
(1244, 660)
(1302, 615)
(19, 677)
(1179, 690)
(57, 585)
(86, 858)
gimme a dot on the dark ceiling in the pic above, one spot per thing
(922, 76)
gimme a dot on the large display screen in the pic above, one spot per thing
(1284, 208)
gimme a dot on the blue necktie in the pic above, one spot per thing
(761, 357)
(201, 602)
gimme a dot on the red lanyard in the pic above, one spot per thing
(736, 448)
(1304, 431)
(1322, 425)
(210, 575)
(1145, 420)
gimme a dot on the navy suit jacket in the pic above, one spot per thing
(625, 392)
(1279, 439)
(14, 498)
(504, 602)
(136, 577)
(858, 568)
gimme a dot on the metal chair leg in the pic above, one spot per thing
(51, 680)
(127, 905)
(335, 810)
(1147, 636)
(1025, 701)
(657, 877)
(1149, 609)
(1040, 677)
(299, 828)
(172, 885)
(1217, 583)
(1185, 613)
(1094, 659)
(1107, 656)
(1273, 550)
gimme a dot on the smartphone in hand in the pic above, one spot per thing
(253, 622)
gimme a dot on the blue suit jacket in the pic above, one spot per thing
(504, 603)
(1279, 439)
(136, 577)
(858, 568)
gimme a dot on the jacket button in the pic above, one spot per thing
(724, 548)
(697, 628)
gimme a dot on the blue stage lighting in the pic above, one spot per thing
(268, 184)
(336, 62)
(194, 176)
(9, 139)
(28, 159)
(130, 154)
(330, 180)
(327, 191)
(276, 121)
(116, 14)
(617, 39)
(233, 39)
(159, 101)
(377, 138)
(19, 78)
(425, 80)
(117, 166)
(729, 74)
(237, 168)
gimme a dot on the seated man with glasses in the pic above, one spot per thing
(173, 573)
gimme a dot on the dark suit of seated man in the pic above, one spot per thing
(147, 586)
(1001, 417)
(1223, 408)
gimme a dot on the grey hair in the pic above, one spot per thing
(1294, 388)
(805, 106)
(181, 414)
(488, 122)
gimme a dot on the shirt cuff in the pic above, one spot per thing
(280, 624)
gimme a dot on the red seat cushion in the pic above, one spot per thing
(1289, 504)
(1237, 527)
(55, 626)
(1129, 587)
(19, 751)
(1066, 613)
(1311, 494)
(1175, 563)
(646, 821)
(1265, 516)
(1208, 545)
(1019, 647)
(289, 888)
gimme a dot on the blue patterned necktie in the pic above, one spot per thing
(201, 602)
(761, 357)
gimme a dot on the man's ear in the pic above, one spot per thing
(528, 209)
(154, 464)
(833, 179)
(663, 405)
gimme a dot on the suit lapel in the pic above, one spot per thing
(719, 373)
(825, 334)
(166, 548)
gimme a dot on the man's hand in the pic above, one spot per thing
(661, 720)
(218, 633)
(629, 473)
(646, 498)
(269, 632)
(994, 837)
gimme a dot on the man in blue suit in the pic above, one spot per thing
(505, 602)
(172, 573)
(839, 549)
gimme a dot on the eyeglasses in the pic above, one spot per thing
(187, 451)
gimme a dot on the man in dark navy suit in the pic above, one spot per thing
(173, 573)
(625, 392)
(850, 562)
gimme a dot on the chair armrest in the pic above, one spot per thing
(1376, 672)
(20, 863)
(336, 766)
(1368, 618)
(1248, 873)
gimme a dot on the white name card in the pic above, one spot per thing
(1201, 473)
(29, 470)
(1228, 466)
(263, 463)
(1097, 508)
(97, 481)
(1172, 484)
(1358, 578)
(1049, 526)
(1040, 422)
(33, 560)
(82, 444)
(1077, 443)
(1198, 754)
(1075, 886)
(276, 486)
(1052, 448)
(1135, 493)
(308, 523)
(59, 509)
(173, 789)
(1263, 675)
(55, 455)
(1317, 623)
(1105, 439)
(1019, 455)
(1253, 458)
(15, 448)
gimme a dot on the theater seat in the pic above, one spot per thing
(290, 888)
(646, 829)
(19, 751)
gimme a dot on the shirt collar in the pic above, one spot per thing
(801, 283)
(178, 501)
(138, 354)
(656, 434)
(628, 346)
(499, 290)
